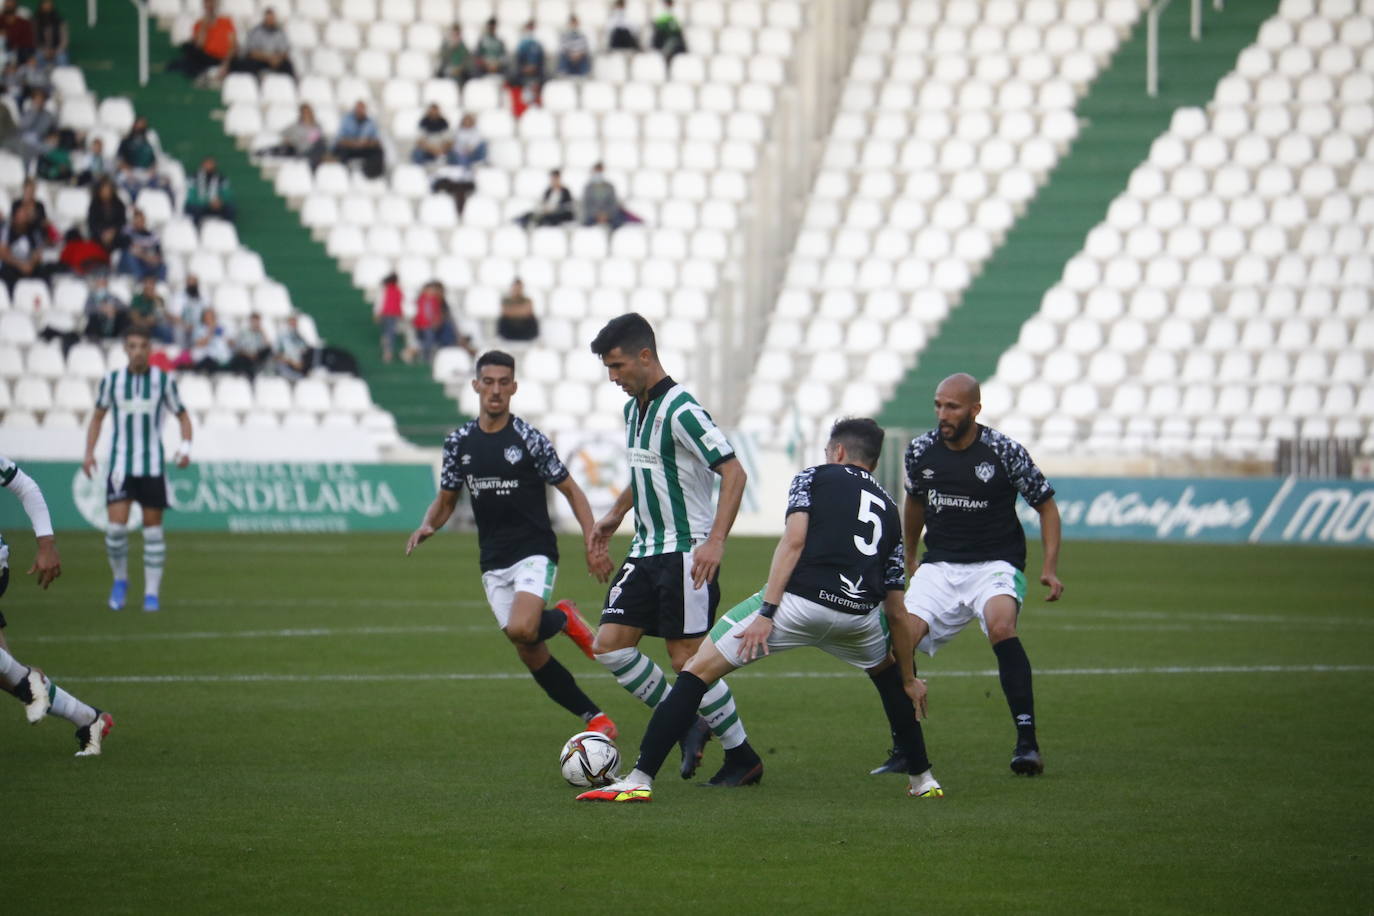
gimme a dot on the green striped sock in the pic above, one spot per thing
(117, 549)
(637, 673)
(718, 708)
(154, 557)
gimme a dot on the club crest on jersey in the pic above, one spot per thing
(985, 471)
(513, 453)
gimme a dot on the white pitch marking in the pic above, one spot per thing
(261, 634)
(781, 675)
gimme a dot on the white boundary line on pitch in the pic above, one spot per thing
(778, 675)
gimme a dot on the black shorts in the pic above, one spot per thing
(148, 492)
(656, 595)
(4, 584)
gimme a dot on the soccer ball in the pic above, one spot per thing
(589, 759)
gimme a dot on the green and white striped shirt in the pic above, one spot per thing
(673, 444)
(136, 404)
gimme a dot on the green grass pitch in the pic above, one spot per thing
(316, 724)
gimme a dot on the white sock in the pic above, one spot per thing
(70, 708)
(923, 781)
(154, 556)
(718, 708)
(637, 673)
(639, 778)
(11, 672)
(117, 548)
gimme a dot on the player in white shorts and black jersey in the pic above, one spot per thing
(30, 685)
(836, 583)
(667, 585)
(136, 397)
(505, 463)
(962, 480)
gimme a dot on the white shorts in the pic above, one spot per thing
(859, 640)
(948, 595)
(533, 574)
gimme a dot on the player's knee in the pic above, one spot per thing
(521, 635)
(614, 659)
(1001, 630)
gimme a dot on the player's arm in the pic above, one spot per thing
(46, 564)
(598, 560)
(92, 436)
(183, 454)
(1050, 530)
(609, 523)
(438, 513)
(706, 558)
(913, 523)
(904, 648)
(754, 639)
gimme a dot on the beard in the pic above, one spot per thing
(956, 431)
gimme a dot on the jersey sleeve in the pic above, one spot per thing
(173, 398)
(694, 429)
(910, 464)
(894, 569)
(799, 493)
(1021, 470)
(104, 396)
(450, 473)
(7, 471)
(546, 461)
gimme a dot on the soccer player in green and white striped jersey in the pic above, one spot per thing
(667, 586)
(137, 397)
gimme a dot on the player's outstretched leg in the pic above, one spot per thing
(29, 685)
(154, 558)
(92, 725)
(742, 766)
(558, 682)
(1014, 671)
(906, 733)
(117, 549)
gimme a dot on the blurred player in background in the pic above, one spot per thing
(962, 479)
(32, 688)
(505, 464)
(667, 586)
(136, 397)
(836, 583)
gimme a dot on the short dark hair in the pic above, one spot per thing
(861, 437)
(630, 332)
(495, 358)
(139, 332)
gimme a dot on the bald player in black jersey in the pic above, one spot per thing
(836, 583)
(505, 463)
(962, 480)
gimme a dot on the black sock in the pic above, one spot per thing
(558, 683)
(672, 717)
(1014, 668)
(901, 717)
(742, 753)
(551, 623)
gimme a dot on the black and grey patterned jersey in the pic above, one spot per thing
(853, 553)
(505, 473)
(970, 496)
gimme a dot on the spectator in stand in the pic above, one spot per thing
(252, 349)
(517, 320)
(29, 195)
(668, 37)
(574, 51)
(600, 204)
(17, 31)
(490, 55)
(292, 357)
(450, 334)
(455, 59)
(621, 34)
(209, 194)
(429, 319)
(36, 73)
(148, 312)
(137, 160)
(212, 347)
(36, 122)
(91, 164)
(106, 315)
(142, 257)
(80, 255)
(304, 139)
(187, 308)
(55, 162)
(266, 49)
(50, 33)
(457, 176)
(105, 218)
(389, 312)
(21, 253)
(212, 45)
(527, 72)
(359, 138)
(555, 207)
(434, 141)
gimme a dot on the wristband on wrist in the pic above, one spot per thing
(184, 449)
(768, 609)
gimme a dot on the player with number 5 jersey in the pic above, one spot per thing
(667, 586)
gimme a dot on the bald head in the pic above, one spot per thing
(957, 402)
